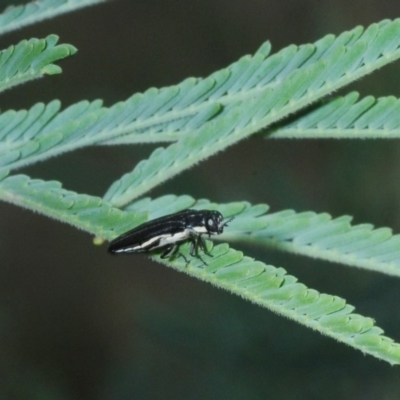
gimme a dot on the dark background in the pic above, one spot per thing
(76, 323)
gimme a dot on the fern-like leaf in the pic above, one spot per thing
(349, 56)
(31, 59)
(85, 212)
(15, 17)
(262, 284)
(345, 117)
(54, 132)
(306, 233)
(43, 131)
(272, 288)
(178, 111)
(320, 236)
(319, 70)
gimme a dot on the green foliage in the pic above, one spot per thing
(202, 117)
(17, 17)
(345, 117)
(31, 59)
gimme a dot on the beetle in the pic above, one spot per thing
(169, 232)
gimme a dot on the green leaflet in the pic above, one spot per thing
(18, 16)
(79, 125)
(262, 284)
(307, 233)
(345, 117)
(311, 73)
(281, 84)
(272, 288)
(85, 212)
(31, 59)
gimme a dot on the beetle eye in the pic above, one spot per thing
(211, 222)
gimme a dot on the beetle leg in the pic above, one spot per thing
(203, 246)
(171, 252)
(193, 246)
(195, 242)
